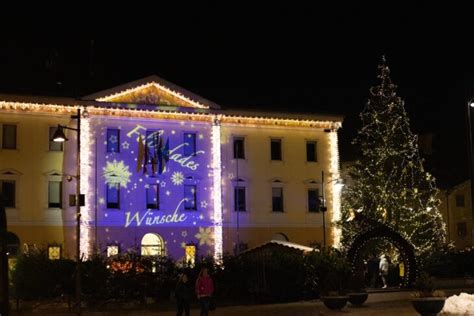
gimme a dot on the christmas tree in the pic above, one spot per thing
(389, 182)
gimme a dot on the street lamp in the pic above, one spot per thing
(470, 105)
(59, 136)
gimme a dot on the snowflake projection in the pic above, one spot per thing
(184, 233)
(203, 204)
(177, 178)
(201, 136)
(173, 132)
(183, 245)
(147, 186)
(168, 193)
(230, 175)
(116, 173)
(125, 145)
(201, 217)
(101, 201)
(163, 184)
(205, 236)
(113, 139)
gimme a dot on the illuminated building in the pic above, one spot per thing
(164, 171)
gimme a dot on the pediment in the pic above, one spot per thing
(152, 91)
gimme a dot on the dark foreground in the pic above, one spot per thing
(384, 303)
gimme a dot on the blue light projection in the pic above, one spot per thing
(155, 153)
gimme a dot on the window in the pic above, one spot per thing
(113, 195)
(8, 189)
(190, 197)
(9, 136)
(54, 146)
(54, 194)
(152, 245)
(275, 149)
(190, 255)
(462, 229)
(314, 202)
(112, 250)
(113, 140)
(153, 197)
(239, 199)
(54, 252)
(277, 199)
(239, 152)
(459, 200)
(189, 142)
(311, 151)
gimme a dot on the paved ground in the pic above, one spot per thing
(379, 303)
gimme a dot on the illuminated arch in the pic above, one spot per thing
(153, 245)
(378, 231)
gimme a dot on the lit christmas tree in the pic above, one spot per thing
(389, 183)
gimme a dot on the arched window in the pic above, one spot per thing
(153, 245)
(280, 236)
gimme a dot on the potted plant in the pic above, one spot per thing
(427, 301)
(357, 293)
(333, 279)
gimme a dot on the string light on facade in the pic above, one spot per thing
(217, 188)
(158, 86)
(87, 187)
(335, 188)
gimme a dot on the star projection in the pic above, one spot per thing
(117, 172)
(205, 236)
(177, 178)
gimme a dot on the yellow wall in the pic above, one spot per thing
(457, 214)
(258, 224)
(31, 220)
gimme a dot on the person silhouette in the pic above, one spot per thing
(383, 270)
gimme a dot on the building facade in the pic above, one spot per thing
(456, 207)
(164, 171)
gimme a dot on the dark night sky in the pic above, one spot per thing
(289, 56)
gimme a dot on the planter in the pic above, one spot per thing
(428, 306)
(358, 298)
(335, 302)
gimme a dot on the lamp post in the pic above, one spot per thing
(470, 105)
(59, 136)
(323, 209)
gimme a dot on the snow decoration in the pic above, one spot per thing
(125, 145)
(177, 178)
(203, 204)
(116, 173)
(113, 139)
(184, 233)
(462, 304)
(205, 236)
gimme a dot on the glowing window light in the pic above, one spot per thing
(157, 85)
(335, 188)
(217, 189)
(86, 187)
(190, 255)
